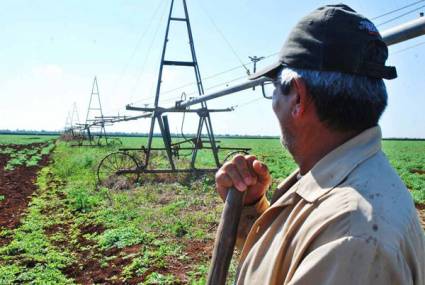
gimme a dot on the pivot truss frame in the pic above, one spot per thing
(131, 162)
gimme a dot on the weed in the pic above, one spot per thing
(123, 237)
(180, 229)
(198, 275)
(153, 256)
(158, 278)
(80, 199)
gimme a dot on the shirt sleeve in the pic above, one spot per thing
(249, 215)
(350, 261)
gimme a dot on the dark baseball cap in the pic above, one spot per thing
(334, 38)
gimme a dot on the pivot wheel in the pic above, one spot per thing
(112, 170)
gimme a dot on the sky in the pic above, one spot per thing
(50, 52)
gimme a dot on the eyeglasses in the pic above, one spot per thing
(269, 87)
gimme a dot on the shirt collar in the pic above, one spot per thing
(337, 165)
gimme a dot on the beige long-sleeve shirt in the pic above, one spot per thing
(350, 220)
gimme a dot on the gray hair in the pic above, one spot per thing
(344, 102)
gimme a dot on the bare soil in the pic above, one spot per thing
(421, 213)
(417, 171)
(17, 186)
(94, 265)
(197, 251)
(89, 270)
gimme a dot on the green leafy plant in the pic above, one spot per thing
(80, 199)
(123, 237)
(158, 278)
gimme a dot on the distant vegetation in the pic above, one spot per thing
(174, 135)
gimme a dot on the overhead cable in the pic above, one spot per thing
(188, 84)
(408, 48)
(138, 43)
(212, 76)
(396, 10)
(147, 55)
(223, 37)
(248, 102)
(401, 15)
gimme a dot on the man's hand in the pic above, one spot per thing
(245, 173)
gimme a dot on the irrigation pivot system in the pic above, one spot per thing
(93, 133)
(93, 129)
(131, 162)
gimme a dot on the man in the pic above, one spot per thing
(344, 217)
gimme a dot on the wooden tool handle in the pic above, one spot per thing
(226, 237)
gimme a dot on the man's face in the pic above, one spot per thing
(282, 108)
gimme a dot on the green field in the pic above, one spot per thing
(159, 232)
(24, 139)
(404, 155)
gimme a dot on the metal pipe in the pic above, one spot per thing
(404, 32)
(227, 91)
(392, 36)
(117, 119)
(175, 110)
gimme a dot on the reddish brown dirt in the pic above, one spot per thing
(16, 186)
(196, 250)
(421, 213)
(418, 171)
(89, 269)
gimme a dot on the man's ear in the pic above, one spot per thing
(302, 99)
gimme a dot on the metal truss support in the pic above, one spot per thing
(94, 112)
(204, 117)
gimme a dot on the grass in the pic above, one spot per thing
(155, 227)
(405, 156)
(24, 139)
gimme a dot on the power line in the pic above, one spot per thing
(138, 43)
(408, 48)
(192, 93)
(220, 84)
(188, 84)
(223, 37)
(248, 102)
(212, 76)
(402, 15)
(396, 10)
(148, 53)
(133, 90)
(134, 51)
